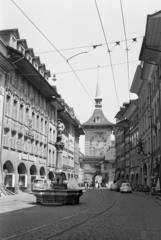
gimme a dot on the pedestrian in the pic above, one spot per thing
(96, 185)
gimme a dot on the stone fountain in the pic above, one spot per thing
(59, 194)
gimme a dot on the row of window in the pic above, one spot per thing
(24, 145)
(23, 114)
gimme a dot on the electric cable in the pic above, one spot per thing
(55, 49)
(108, 52)
(126, 49)
(74, 48)
(88, 69)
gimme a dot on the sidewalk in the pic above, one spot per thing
(16, 202)
(154, 197)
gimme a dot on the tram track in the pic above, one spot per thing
(70, 217)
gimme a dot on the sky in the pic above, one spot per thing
(58, 30)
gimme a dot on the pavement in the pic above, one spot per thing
(101, 215)
(16, 202)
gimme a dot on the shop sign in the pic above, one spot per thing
(24, 156)
(31, 158)
(42, 162)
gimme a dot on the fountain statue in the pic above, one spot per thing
(59, 194)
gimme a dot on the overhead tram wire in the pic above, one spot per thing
(126, 49)
(74, 48)
(88, 69)
(55, 49)
(109, 53)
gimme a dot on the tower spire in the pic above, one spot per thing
(98, 98)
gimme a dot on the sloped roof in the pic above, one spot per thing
(103, 120)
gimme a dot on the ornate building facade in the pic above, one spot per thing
(29, 108)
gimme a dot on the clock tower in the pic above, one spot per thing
(98, 131)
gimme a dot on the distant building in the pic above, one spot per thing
(98, 132)
(108, 167)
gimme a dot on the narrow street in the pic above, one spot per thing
(101, 214)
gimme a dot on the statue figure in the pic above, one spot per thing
(60, 129)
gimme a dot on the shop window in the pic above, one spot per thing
(42, 129)
(14, 113)
(37, 122)
(27, 117)
(45, 127)
(8, 105)
(21, 113)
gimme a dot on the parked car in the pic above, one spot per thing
(125, 187)
(118, 184)
(113, 187)
(139, 188)
(146, 188)
(41, 184)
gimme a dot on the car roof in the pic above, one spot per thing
(42, 179)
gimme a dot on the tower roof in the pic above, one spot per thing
(98, 98)
(98, 119)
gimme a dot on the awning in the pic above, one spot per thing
(151, 46)
(116, 176)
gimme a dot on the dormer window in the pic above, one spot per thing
(36, 65)
(42, 72)
(29, 58)
(13, 42)
(22, 50)
(46, 78)
(13, 39)
(97, 119)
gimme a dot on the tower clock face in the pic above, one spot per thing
(98, 144)
(98, 141)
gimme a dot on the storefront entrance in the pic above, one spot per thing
(22, 180)
(9, 176)
(42, 172)
(33, 172)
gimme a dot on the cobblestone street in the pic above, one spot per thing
(101, 214)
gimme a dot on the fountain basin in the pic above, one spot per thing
(56, 197)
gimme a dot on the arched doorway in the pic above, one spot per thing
(22, 181)
(145, 174)
(127, 177)
(51, 176)
(9, 176)
(33, 172)
(122, 177)
(132, 179)
(42, 172)
(97, 180)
